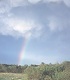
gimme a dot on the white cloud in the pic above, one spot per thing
(56, 23)
(19, 27)
(6, 5)
(67, 2)
(16, 3)
(34, 1)
(53, 23)
(30, 27)
(14, 26)
(51, 0)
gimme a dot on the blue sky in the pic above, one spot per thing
(39, 29)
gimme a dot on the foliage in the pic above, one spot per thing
(35, 72)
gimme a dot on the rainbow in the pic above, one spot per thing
(22, 51)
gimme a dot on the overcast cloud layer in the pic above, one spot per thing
(22, 18)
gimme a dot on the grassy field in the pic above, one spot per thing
(12, 76)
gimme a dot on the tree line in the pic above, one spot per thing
(40, 72)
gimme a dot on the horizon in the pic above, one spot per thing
(35, 64)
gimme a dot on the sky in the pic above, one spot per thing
(34, 31)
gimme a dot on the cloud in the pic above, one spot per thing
(51, 0)
(67, 2)
(13, 25)
(19, 27)
(7, 5)
(34, 1)
(55, 24)
(4, 7)
(16, 3)
(33, 20)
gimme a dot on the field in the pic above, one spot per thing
(12, 76)
(36, 72)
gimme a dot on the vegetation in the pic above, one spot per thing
(36, 72)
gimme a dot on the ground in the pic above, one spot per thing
(12, 76)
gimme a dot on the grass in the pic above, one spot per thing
(13, 76)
